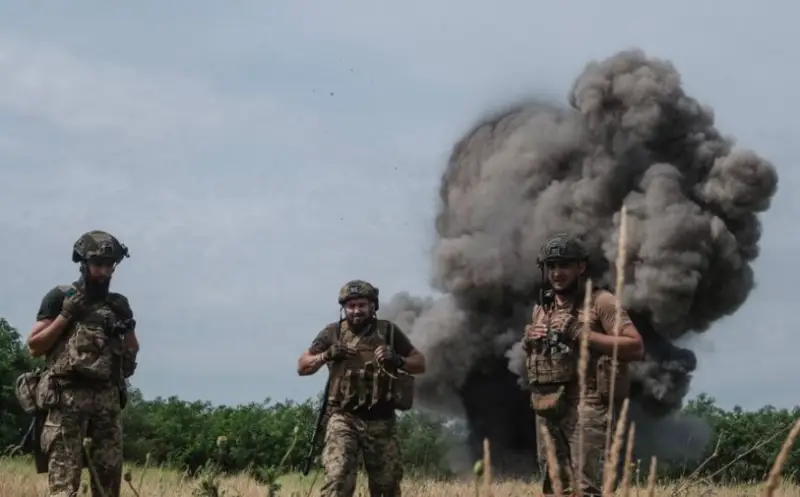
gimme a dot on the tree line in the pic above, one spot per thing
(267, 435)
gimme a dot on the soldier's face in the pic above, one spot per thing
(564, 275)
(100, 270)
(358, 311)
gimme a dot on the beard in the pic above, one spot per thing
(94, 289)
(359, 320)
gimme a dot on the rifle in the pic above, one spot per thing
(312, 446)
(32, 440)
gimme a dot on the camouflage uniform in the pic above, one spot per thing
(83, 387)
(361, 404)
(553, 378)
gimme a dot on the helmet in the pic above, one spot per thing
(562, 247)
(358, 288)
(98, 244)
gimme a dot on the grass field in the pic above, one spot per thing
(19, 479)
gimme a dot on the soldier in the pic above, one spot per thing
(370, 361)
(552, 343)
(87, 337)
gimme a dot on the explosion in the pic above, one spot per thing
(630, 136)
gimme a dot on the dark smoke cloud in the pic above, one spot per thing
(629, 136)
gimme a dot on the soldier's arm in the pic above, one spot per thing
(630, 346)
(123, 306)
(414, 359)
(131, 342)
(312, 359)
(49, 323)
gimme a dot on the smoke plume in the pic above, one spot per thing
(631, 136)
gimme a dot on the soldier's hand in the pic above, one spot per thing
(73, 306)
(389, 356)
(337, 352)
(535, 331)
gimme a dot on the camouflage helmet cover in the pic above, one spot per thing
(562, 247)
(98, 244)
(358, 288)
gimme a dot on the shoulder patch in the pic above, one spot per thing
(67, 290)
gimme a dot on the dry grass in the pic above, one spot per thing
(18, 479)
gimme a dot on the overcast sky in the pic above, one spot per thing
(254, 156)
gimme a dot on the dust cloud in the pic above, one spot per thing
(630, 135)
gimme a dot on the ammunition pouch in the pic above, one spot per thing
(361, 382)
(554, 365)
(25, 389)
(622, 379)
(549, 401)
(403, 391)
(37, 390)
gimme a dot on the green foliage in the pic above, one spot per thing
(14, 360)
(267, 438)
(257, 435)
(746, 442)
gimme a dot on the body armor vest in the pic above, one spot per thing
(91, 350)
(359, 381)
(89, 353)
(553, 360)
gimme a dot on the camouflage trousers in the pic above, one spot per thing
(84, 414)
(346, 439)
(564, 432)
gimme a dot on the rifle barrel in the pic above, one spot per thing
(312, 445)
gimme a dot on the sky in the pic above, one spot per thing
(254, 156)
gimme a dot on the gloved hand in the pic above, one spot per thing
(124, 326)
(337, 352)
(73, 306)
(122, 309)
(389, 356)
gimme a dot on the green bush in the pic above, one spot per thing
(14, 360)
